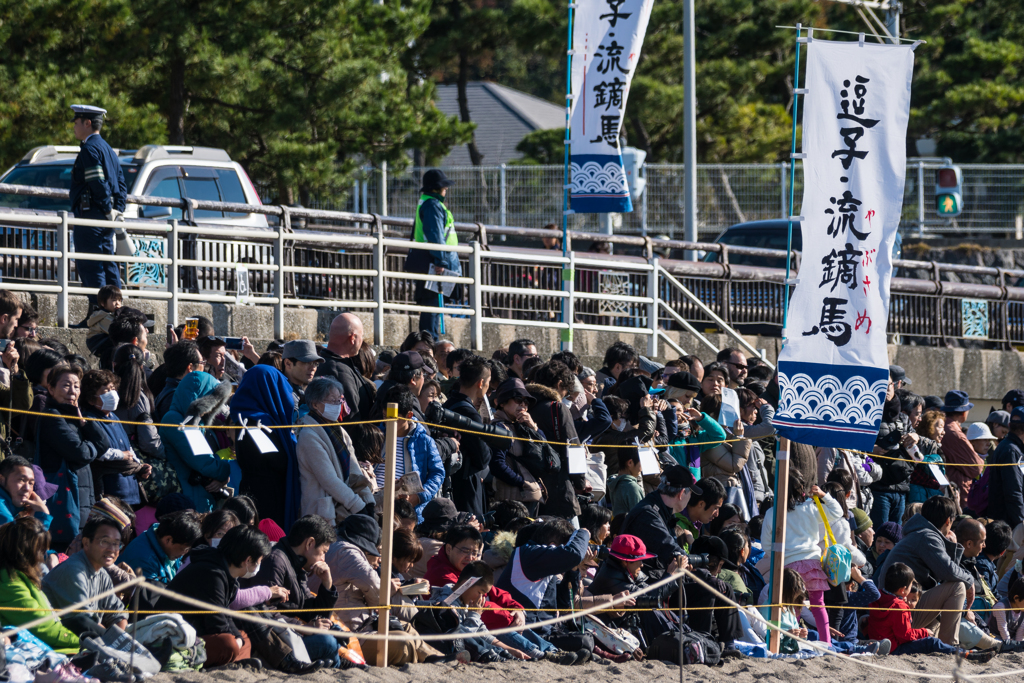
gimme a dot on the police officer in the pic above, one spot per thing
(436, 225)
(98, 192)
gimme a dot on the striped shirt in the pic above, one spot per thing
(399, 465)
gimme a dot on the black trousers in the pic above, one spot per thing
(722, 621)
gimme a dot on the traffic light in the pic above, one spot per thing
(948, 191)
(633, 161)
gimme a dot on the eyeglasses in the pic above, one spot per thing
(742, 366)
(110, 545)
(472, 552)
(30, 331)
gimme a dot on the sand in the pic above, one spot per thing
(838, 669)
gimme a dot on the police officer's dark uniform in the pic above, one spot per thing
(98, 191)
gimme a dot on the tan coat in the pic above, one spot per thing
(325, 491)
(724, 461)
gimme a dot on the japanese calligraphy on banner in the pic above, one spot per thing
(607, 38)
(833, 369)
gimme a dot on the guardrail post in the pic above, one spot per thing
(569, 287)
(63, 270)
(476, 301)
(279, 274)
(383, 189)
(379, 265)
(504, 198)
(652, 308)
(783, 198)
(172, 275)
(920, 199)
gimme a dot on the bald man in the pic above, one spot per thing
(343, 342)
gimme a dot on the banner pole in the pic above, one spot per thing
(778, 549)
(567, 274)
(387, 531)
(792, 182)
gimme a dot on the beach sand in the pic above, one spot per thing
(837, 669)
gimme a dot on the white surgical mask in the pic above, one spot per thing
(567, 401)
(254, 572)
(215, 542)
(332, 411)
(620, 425)
(109, 401)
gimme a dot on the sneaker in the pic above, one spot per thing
(66, 673)
(560, 657)
(731, 653)
(583, 656)
(980, 656)
(1011, 646)
(250, 663)
(884, 647)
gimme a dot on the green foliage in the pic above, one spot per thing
(302, 94)
(544, 147)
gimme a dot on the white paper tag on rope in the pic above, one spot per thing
(261, 440)
(577, 459)
(937, 473)
(649, 462)
(196, 441)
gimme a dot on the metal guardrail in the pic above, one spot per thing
(727, 194)
(350, 260)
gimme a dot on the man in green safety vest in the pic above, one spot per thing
(435, 225)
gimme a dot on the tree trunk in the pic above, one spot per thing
(475, 156)
(178, 104)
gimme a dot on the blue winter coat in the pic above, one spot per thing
(123, 486)
(426, 462)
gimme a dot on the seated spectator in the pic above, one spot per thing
(17, 492)
(416, 451)
(464, 544)
(109, 299)
(288, 565)
(66, 449)
(405, 515)
(117, 470)
(179, 360)
(438, 516)
(156, 553)
(893, 620)
(934, 561)
(626, 489)
(135, 403)
(82, 577)
(272, 479)
(37, 370)
(23, 545)
(998, 537)
(517, 470)
(199, 397)
(1007, 619)
(212, 577)
(333, 485)
(299, 361)
(700, 510)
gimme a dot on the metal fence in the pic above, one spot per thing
(727, 194)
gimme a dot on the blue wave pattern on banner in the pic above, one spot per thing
(833, 406)
(599, 184)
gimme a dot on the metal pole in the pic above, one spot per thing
(379, 263)
(643, 202)
(689, 128)
(383, 614)
(63, 270)
(892, 20)
(652, 308)
(279, 274)
(682, 659)
(383, 188)
(569, 302)
(476, 323)
(783, 172)
(792, 182)
(778, 539)
(567, 274)
(366, 205)
(135, 624)
(504, 198)
(172, 275)
(920, 199)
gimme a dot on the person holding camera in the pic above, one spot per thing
(653, 521)
(622, 572)
(898, 442)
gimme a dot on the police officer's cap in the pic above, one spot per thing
(435, 179)
(87, 111)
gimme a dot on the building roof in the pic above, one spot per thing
(503, 117)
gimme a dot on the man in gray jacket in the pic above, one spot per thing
(932, 552)
(84, 575)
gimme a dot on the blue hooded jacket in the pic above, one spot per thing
(264, 395)
(194, 385)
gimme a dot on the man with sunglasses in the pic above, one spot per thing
(737, 364)
(519, 352)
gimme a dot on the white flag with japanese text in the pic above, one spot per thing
(606, 41)
(834, 369)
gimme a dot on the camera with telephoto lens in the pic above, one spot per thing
(648, 601)
(699, 561)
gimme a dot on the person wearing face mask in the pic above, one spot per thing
(117, 470)
(66, 449)
(634, 419)
(551, 383)
(212, 577)
(333, 484)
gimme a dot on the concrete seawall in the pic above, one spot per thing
(985, 375)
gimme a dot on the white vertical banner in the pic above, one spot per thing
(606, 41)
(833, 369)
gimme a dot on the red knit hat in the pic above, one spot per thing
(630, 549)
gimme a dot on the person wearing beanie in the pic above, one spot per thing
(864, 537)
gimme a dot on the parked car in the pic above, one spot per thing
(176, 172)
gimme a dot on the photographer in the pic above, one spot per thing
(622, 571)
(652, 521)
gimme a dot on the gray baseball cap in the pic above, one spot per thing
(301, 350)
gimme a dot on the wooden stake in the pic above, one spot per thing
(387, 530)
(778, 549)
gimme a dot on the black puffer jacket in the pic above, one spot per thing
(282, 567)
(555, 422)
(895, 473)
(206, 578)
